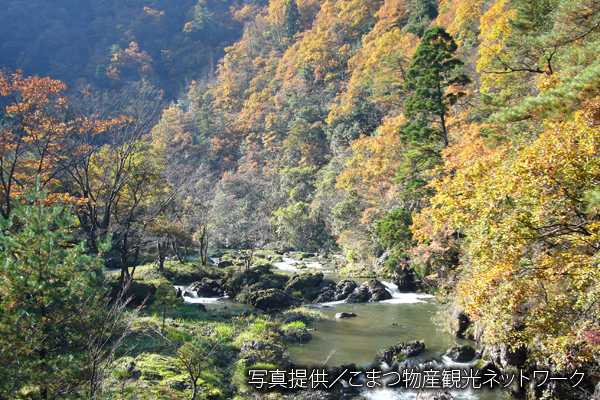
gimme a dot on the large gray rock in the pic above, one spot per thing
(371, 290)
(345, 315)
(461, 353)
(360, 295)
(399, 352)
(344, 288)
(271, 299)
(206, 288)
(325, 292)
(326, 296)
(377, 290)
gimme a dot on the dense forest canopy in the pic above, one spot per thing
(455, 141)
(108, 43)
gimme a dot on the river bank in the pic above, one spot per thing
(278, 320)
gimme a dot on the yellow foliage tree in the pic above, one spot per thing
(530, 215)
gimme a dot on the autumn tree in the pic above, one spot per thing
(39, 137)
(184, 135)
(118, 177)
(530, 247)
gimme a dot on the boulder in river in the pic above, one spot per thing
(399, 352)
(206, 288)
(304, 282)
(404, 278)
(377, 290)
(360, 295)
(325, 292)
(344, 288)
(434, 395)
(461, 353)
(271, 299)
(345, 315)
(371, 290)
(326, 296)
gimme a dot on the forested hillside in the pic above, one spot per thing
(107, 43)
(462, 136)
(450, 145)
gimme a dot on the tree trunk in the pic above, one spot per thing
(42, 354)
(194, 390)
(162, 255)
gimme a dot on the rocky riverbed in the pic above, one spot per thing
(385, 329)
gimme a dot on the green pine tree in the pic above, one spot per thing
(50, 294)
(431, 73)
(291, 19)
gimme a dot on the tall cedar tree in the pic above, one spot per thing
(425, 132)
(291, 20)
(428, 77)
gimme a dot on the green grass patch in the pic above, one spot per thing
(309, 313)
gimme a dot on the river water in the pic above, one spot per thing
(405, 317)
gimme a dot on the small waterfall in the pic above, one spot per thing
(404, 298)
(191, 296)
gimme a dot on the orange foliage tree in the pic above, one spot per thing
(38, 136)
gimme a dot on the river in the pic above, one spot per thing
(405, 317)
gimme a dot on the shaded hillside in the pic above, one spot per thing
(109, 42)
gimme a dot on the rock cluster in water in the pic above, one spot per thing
(371, 290)
(269, 290)
(206, 288)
